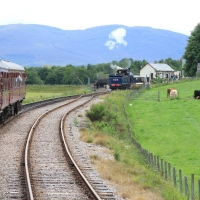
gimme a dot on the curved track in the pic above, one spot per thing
(13, 183)
(50, 168)
(48, 173)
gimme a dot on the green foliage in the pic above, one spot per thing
(174, 64)
(79, 75)
(75, 121)
(96, 113)
(117, 156)
(192, 52)
(32, 77)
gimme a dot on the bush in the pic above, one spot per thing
(96, 113)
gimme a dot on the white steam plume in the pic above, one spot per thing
(116, 38)
(115, 67)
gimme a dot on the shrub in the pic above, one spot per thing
(96, 113)
(117, 156)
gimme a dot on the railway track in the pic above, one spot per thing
(56, 183)
(54, 173)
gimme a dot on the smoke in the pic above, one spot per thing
(115, 67)
(116, 38)
(127, 62)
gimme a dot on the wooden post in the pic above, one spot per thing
(162, 167)
(155, 163)
(180, 180)
(152, 160)
(186, 187)
(174, 176)
(165, 170)
(158, 163)
(169, 172)
(158, 96)
(192, 187)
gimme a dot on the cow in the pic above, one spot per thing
(173, 94)
(196, 93)
(169, 90)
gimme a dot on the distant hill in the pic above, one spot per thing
(37, 45)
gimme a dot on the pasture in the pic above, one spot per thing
(169, 128)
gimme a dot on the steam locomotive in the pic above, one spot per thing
(124, 79)
(12, 89)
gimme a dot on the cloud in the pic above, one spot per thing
(116, 38)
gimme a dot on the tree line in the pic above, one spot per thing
(76, 75)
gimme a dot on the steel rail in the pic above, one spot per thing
(89, 186)
(27, 174)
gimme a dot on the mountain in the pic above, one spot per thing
(38, 45)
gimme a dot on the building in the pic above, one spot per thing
(155, 70)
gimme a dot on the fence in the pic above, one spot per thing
(170, 173)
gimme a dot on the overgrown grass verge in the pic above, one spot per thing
(135, 179)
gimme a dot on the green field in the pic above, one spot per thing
(168, 128)
(36, 93)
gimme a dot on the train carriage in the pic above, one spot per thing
(12, 88)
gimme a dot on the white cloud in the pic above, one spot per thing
(116, 38)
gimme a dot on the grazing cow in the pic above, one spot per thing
(169, 90)
(173, 94)
(196, 93)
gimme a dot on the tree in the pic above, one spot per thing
(174, 64)
(43, 72)
(192, 52)
(32, 77)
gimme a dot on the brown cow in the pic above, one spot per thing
(169, 90)
(173, 94)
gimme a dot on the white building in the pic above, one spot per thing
(154, 70)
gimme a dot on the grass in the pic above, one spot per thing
(36, 93)
(169, 128)
(128, 170)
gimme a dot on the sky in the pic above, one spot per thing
(180, 16)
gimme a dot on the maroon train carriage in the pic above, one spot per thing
(12, 89)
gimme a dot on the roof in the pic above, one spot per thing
(6, 66)
(161, 67)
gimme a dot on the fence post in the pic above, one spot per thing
(165, 170)
(162, 167)
(180, 180)
(192, 187)
(169, 172)
(155, 163)
(186, 187)
(158, 96)
(174, 176)
(158, 163)
(151, 155)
